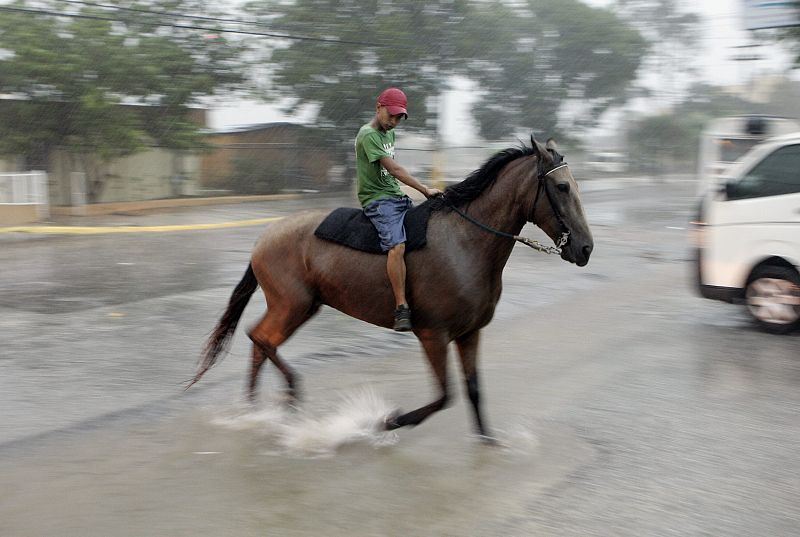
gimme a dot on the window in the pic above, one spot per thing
(730, 149)
(778, 173)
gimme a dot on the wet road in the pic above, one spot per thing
(625, 405)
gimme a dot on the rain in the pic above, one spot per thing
(638, 374)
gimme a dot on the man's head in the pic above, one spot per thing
(391, 108)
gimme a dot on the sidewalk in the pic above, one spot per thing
(165, 219)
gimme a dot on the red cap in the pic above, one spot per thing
(394, 100)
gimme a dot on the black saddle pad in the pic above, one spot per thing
(351, 227)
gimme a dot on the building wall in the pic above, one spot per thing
(155, 173)
(277, 149)
(158, 173)
(150, 174)
(10, 163)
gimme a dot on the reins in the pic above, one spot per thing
(536, 245)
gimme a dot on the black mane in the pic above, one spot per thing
(479, 180)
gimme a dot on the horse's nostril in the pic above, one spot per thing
(587, 250)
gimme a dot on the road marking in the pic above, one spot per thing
(99, 230)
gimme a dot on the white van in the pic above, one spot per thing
(748, 235)
(725, 140)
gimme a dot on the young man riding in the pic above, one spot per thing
(380, 195)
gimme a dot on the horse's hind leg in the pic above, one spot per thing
(274, 329)
(261, 353)
(435, 346)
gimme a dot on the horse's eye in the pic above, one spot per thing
(563, 187)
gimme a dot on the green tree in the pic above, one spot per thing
(665, 142)
(791, 35)
(670, 142)
(526, 58)
(74, 77)
(555, 53)
(713, 102)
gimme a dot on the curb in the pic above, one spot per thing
(99, 209)
(99, 230)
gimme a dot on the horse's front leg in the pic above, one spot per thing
(434, 344)
(468, 352)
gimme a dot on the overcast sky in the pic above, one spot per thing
(723, 31)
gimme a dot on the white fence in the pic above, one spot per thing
(29, 188)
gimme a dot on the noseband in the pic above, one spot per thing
(536, 245)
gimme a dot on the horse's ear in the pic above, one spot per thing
(535, 145)
(551, 144)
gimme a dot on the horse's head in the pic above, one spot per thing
(557, 207)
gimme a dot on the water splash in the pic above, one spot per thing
(355, 419)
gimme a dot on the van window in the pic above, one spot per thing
(778, 173)
(732, 148)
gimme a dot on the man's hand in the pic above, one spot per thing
(432, 192)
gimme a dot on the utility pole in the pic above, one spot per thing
(438, 158)
(747, 53)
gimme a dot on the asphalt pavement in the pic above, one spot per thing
(625, 405)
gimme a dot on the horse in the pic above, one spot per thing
(470, 237)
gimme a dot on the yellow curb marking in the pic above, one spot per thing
(99, 230)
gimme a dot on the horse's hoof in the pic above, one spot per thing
(487, 440)
(390, 421)
(291, 400)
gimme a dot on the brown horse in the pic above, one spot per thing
(468, 239)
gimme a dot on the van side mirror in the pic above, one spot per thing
(730, 189)
(719, 190)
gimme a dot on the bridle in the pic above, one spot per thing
(562, 240)
(536, 245)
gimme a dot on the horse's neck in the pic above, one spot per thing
(500, 208)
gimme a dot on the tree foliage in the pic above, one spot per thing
(665, 142)
(527, 58)
(73, 80)
(791, 35)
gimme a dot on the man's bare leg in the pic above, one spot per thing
(396, 268)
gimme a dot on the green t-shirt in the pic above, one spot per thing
(374, 182)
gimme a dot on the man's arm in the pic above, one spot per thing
(406, 178)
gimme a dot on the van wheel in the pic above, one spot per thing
(773, 298)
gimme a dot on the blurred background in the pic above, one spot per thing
(144, 147)
(168, 99)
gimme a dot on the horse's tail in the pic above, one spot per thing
(218, 341)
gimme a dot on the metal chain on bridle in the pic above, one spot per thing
(536, 245)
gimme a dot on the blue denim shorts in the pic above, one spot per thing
(388, 216)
